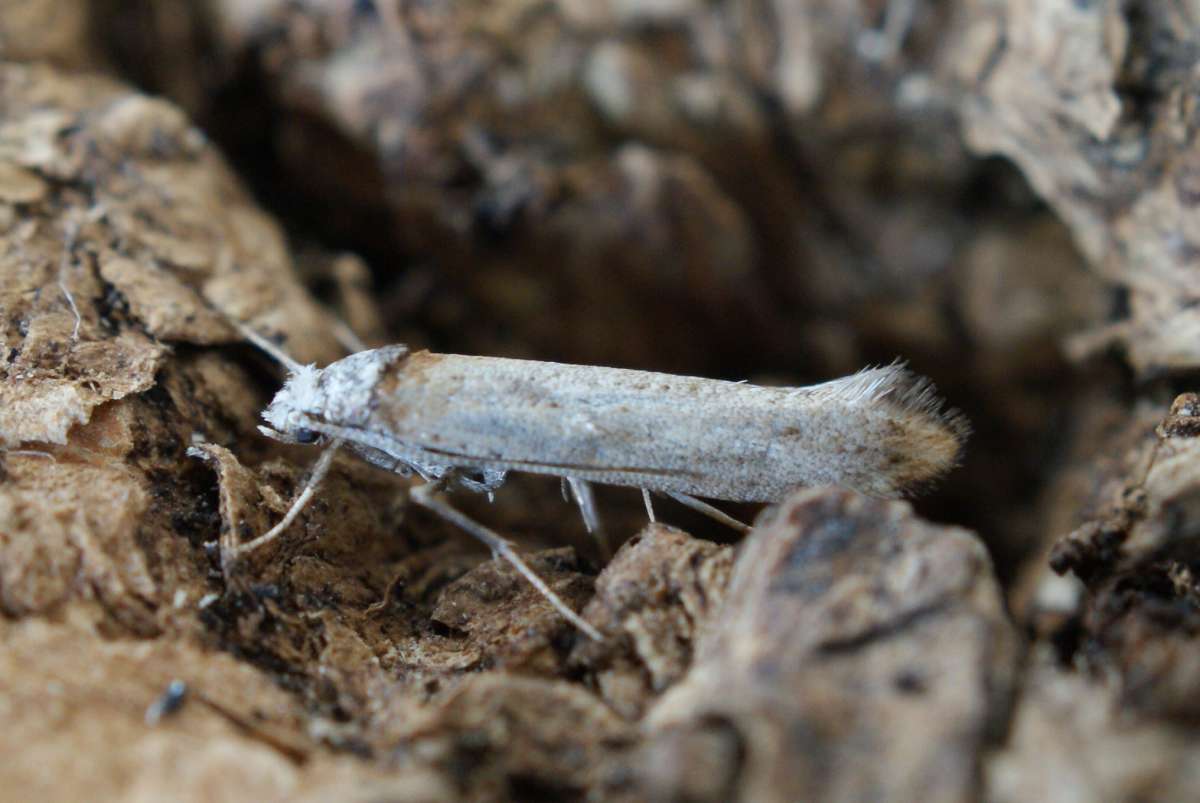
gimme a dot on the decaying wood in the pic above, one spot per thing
(729, 188)
(651, 601)
(371, 633)
(1139, 615)
(56, 31)
(859, 653)
(1091, 102)
(1073, 739)
(766, 169)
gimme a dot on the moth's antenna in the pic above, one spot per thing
(350, 341)
(266, 346)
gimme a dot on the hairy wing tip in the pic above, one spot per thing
(937, 434)
(914, 438)
(917, 394)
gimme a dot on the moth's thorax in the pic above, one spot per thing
(341, 394)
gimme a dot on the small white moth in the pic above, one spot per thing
(468, 421)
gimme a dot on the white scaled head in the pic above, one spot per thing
(296, 407)
(324, 401)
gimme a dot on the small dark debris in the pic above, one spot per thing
(168, 703)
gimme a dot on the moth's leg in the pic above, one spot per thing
(427, 497)
(236, 551)
(649, 504)
(710, 511)
(581, 490)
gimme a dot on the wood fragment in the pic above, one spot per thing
(849, 627)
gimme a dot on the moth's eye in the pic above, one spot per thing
(303, 435)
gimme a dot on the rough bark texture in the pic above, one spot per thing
(1094, 103)
(999, 190)
(860, 654)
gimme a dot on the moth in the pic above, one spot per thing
(459, 421)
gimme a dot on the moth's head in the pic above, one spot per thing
(317, 403)
(295, 414)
